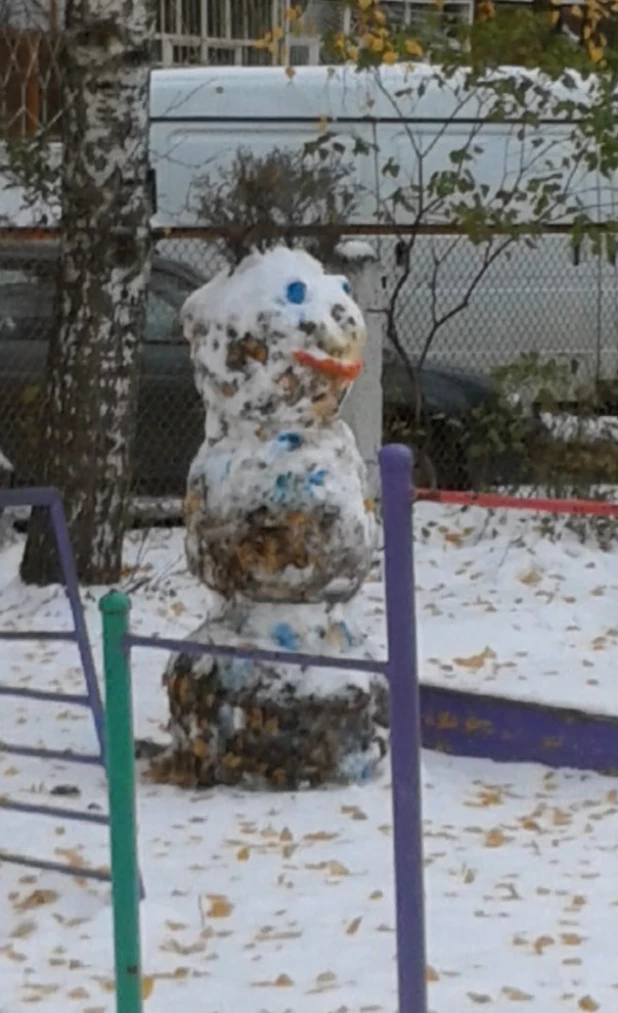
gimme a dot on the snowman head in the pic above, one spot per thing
(276, 340)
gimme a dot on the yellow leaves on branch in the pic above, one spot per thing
(372, 35)
(269, 42)
(374, 41)
(413, 48)
(486, 10)
(596, 52)
(593, 14)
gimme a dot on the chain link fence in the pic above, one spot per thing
(514, 355)
(30, 67)
(499, 374)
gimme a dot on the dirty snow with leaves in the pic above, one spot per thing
(283, 903)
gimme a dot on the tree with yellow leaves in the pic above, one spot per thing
(378, 36)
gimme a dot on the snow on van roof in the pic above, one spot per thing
(341, 93)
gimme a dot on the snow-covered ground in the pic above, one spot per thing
(270, 904)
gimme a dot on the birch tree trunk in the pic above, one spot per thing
(91, 382)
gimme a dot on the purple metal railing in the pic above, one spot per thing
(91, 698)
(401, 670)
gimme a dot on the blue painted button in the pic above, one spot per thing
(296, 292)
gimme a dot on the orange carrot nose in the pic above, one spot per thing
(334, 368)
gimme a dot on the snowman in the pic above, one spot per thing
(281, 528)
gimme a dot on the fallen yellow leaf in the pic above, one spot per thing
(23, 930)
(220, 906)
(337, 869)
(475, 661)
(37, 899)
(541, 944)
(496, 839)
(516, 995)
(284, 981)
(531, 578)
(78, 993)
(147, 986)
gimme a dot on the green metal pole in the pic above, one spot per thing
(115, 609)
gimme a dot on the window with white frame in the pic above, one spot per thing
(418, 13)
(216, 31)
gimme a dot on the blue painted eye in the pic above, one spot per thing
(347, 288)
(296, 292)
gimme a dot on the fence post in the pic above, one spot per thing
(362, 408)
(396, 470)
(115, 609)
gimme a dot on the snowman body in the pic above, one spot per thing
(286, 518)
(280, 526)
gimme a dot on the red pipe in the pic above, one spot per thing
(596, 508)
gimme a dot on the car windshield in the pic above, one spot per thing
(27, 287)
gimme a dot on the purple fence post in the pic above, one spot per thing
(67, 567)
(396, 472)
(51, 499)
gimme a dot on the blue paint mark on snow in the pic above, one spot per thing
(358, 767)
(317, 477)
(347, 635)
(290, 441)
(286, 637)
(282, 490)
(284, 444)
(235, 673)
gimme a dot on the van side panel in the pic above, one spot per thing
(184, 153)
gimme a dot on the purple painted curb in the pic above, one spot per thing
(510, 731)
